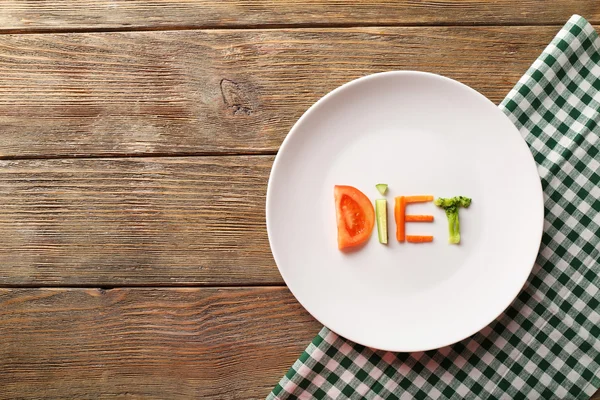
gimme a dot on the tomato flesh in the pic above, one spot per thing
(355, 216)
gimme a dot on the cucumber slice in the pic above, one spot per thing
(381, 214)
(382, 187)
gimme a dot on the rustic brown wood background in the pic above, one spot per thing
(136, 139)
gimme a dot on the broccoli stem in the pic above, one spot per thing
(453, 227)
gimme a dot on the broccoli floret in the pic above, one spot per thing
(451, 206)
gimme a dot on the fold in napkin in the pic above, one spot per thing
(546, 345)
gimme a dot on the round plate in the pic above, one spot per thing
(421, 134)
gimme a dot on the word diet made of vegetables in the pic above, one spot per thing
(356, 216)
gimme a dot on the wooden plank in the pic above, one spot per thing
(23, 15)
(199, 92)
(149, 343)
(140, 221)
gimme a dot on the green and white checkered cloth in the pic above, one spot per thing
(546, 345)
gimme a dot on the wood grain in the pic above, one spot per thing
(141, 221)
(181, 343)
(24, 15)
(148, 343)
(205, 92)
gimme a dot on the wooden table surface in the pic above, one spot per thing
(136, 139)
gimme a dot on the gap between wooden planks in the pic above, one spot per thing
(209, 343)
(25, 16)
(220, 91)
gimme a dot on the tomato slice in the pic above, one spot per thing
(355, 216)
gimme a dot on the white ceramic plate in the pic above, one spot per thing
(421, 134)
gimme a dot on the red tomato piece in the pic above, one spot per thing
(355, 216)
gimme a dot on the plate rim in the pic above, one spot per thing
(285, 145)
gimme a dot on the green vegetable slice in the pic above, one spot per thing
(382, 187)
(381, 215)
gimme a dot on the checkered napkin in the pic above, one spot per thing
(546, 345)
